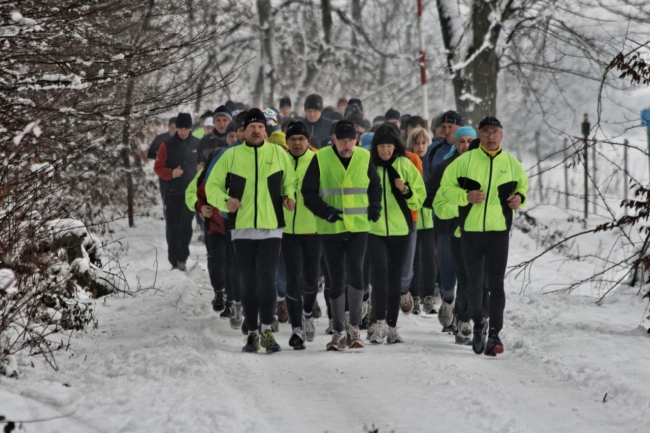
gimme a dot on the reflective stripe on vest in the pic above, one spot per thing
(345, 190)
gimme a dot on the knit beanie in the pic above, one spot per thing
(313, 102)
(378, 120)
(285, 102)
(383, 135)
(490, 121)
(254, 115)
(392, 114)
(222, 110)
(452, 117)
(232, 127)
(184, 120)
(464, 130)
(297, 128)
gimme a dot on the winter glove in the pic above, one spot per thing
(374, 214)
(334, 215)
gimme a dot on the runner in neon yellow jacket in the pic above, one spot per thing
(488, 184)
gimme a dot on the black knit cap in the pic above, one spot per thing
(254, 115)
(490, 121)
(345, 129)
(222, 110)
(392, 114)
(296, 128)
(452, 117)
(184, 120)
(314, 102)
(378, 120)
(285, 102)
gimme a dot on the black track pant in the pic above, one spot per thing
(258, 261)
(216, 243)
(461, 309)
(302, 254)
(178, 228)
(344, 253)
(233, 293)
(387, 255)
(486, 256)
(424, 264)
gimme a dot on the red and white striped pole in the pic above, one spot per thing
(423, 66)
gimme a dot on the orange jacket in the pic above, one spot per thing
(417, 162)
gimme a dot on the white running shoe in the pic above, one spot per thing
(446, 314)
(393, 337)
(338, 342)
(428, 307)
(377, 333)
(310, 329)
(354, 338)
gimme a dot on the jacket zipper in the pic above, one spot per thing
(487, 195)
(256, 178)
(295, 210)
(386, 204)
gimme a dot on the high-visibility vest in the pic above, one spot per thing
(301, 220)
(345, 190)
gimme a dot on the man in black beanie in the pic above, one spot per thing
(175, 165)
(285, 107)
(393, 116)
(317, 126)
(252, 182)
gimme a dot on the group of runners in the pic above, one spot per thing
(381, 215)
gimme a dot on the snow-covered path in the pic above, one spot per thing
(163, 361)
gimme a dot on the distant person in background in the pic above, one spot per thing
(424, 264)
(155, 144)
(208, 125)
(199, 132)
(358, 122)
(436, 128)
(340, 105)
(415, 122)
(217, 139)
(354, 104)
(285, 108)
(176, 165)
(393, 116)
(317, 126)
(376, 123)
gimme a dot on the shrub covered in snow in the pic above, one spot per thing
(78, 78)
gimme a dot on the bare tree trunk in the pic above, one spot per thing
(313, 68)
(356, 17)
(484, 69)
(264, 13)
(475, 82)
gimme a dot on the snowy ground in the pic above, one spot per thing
(163, 361)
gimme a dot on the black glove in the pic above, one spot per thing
(334, 215)
(374, 214)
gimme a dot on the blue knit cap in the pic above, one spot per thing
(232, 127)
(464, 130)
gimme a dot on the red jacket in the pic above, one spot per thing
(216, 223)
